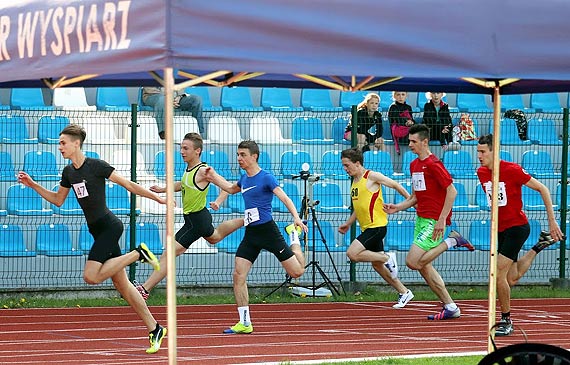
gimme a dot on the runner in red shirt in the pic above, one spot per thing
(513, 225)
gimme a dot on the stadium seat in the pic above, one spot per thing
(12, 242)
(28, 99)
(118, 200)
(407, 159)
(70, 205)
(41, 166)
(546, 102)
(385, 102)
(510, 133)
(481, 198)
(318, 100)
(23, 200)
(114, 99)
(7, 170)
(539, 164)
(338, 128)
(480, 234)
(264, 161)
(278, 100)
(85, 240)
(292, 161)
(159, 167)
(204, 93)
(331, 166)
(328, 235)
(184, 124)
(231, 243)
(400, 235)
(309, 130)
(141, 106)
(220, 161)
(235, 203)
(505, 155)
(330, 197)
(380, 161)
(459, 164)
(54, 240)
(534, 234)
(224, 130)
(266, 130)
(100, 130)
(213, 193)
(147, 132)
(293, 193)
(514, 102)
(147, 233)
(532, 200)
(350, 98)
(71, 98)
(49, 128)
(13, 129)
(238, 99)
(473, 103)
(461, 203)
(397, 197)
(543, 132)
(122, 162)
(558, 198)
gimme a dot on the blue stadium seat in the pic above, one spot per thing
(292, 161)
(235, 203)
(510, 133)
(231, 243)
(118, 200)
(543, 132)
(28, 99)
(12, 242)
(219, 160)
(338, 128)
(461, 203)
(141, 106)
(534, 234)
(385, 102)
(264, 161)
(348, 242)
(213, 192)
(147, 233)
(558, 198)
(69, 207)
(238, 99)
(481, 198)
(318, 100)
(49, 128)
(112, 99)
(380, 161)
(459, 164)
(328, 235)
(473, 103)
(204, 93)
(331, 166)
(532, 200)
(400, 235)
(397, 198)
(292, 192)
(407, 159)
(23, 200)
(54, 240)
(546, 102)
(85, 240)
(350, 98)
(505, 155)
(278, 100)
(480, 234)
(514, 102)
(13, 129)
(539, 164)
(41, 166)
(7, 170)
(309, 130)
(159, 167)
(3, 212)
(330, 197)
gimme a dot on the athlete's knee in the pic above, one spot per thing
(296, 272)
(91, 279)
(414, 265)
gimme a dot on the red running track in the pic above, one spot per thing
(283, 332)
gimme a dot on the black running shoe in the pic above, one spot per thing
(544, 240)
(504, 328)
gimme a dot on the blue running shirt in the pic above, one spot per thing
(257, 193)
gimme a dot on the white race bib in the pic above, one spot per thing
(80, 190)
(250, 215)
(418, 181)
(501, 198)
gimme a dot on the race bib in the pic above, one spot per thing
(418, 181)
(250, 215)
(501, 198)
(80, 190)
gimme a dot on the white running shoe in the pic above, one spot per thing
(392, 265)
(404, 299)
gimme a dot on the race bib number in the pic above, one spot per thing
(250, 215)
(80, 190)
(418, 181)
(501, 198)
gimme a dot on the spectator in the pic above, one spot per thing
(369, 126)
(438, 119)
(154, 96)
(400, 116)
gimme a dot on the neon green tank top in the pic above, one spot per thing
(368, 205)
(193, 198)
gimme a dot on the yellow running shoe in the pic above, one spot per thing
(147, 256)
(155, 337)
(239, 328)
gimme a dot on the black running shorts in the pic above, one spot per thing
(265, 236)
(106, 231)
(512, 239)
(373, 238)
(196, 225)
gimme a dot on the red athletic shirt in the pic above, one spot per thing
(511, 179)
(430, 180)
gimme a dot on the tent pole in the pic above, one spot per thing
(494, 216)
(170, 252)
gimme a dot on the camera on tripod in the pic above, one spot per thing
(306, 175)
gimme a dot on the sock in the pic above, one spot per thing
(155, 330)
(244, 315)
(450, 242)
(451, 306)
(536, 249)
(506, 317)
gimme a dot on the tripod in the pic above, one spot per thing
(308, 206)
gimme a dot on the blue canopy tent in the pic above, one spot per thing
(486, 46)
